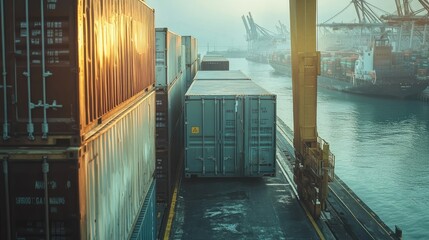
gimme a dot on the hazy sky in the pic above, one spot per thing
(218, 22)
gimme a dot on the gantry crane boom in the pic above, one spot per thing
(425, 4)
(314, 162)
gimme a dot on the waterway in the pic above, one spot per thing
(381, 146)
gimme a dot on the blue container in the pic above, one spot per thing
(145, 227)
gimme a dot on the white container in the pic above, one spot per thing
(168, 57)
(119, 169)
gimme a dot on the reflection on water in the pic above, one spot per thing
(381, 146)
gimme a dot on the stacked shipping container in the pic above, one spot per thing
(95, 190)
(214, 63)
(91, 66)
(78, 116)
(191, 58)
(170, 88)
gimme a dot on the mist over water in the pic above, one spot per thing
(381, 146)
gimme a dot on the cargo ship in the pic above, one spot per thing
(377, 71)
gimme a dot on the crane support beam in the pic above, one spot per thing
(314, 162)
(303, 42)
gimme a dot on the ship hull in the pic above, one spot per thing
(393, 90)
(281, 69)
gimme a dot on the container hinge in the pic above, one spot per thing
(54, 105)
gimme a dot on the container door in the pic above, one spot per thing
(260, 139)
(231, 129)
(45, 96)
(26, 197)
(202, 136)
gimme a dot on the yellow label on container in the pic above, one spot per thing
(195, 130)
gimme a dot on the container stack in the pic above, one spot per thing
(78, 120)
(170, 89)
(191, 58)
(230, 127)
(214, 63)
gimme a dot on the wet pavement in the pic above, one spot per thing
(239, 208)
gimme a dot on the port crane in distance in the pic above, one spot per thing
(314, 165)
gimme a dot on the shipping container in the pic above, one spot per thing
(221, 75)
(169, 131)
(146, 225)
(169, 107)
(230, 129)
(168, 57)
(71, 65)
(214, 63)
(169, 136)
(191, 45)
(191, 54)
(167, 163)
(95, 191)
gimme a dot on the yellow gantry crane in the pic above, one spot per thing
(314, 166)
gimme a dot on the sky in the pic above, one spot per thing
(217, 24)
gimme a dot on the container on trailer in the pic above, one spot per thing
(146, 224)
(214, 63)
(77, 64)
(221, 75)
(230, 129)
(95, 191)
(168, 57)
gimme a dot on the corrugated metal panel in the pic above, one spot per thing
(191, 44)
(214, 63)
(169, 108)
(95, 191)
(168, 57)
(146, 225)
(95, 58)
(120, 166)
(226, 87)
(230, 129)
(221, 75)
(169, 136)
(190, 73)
